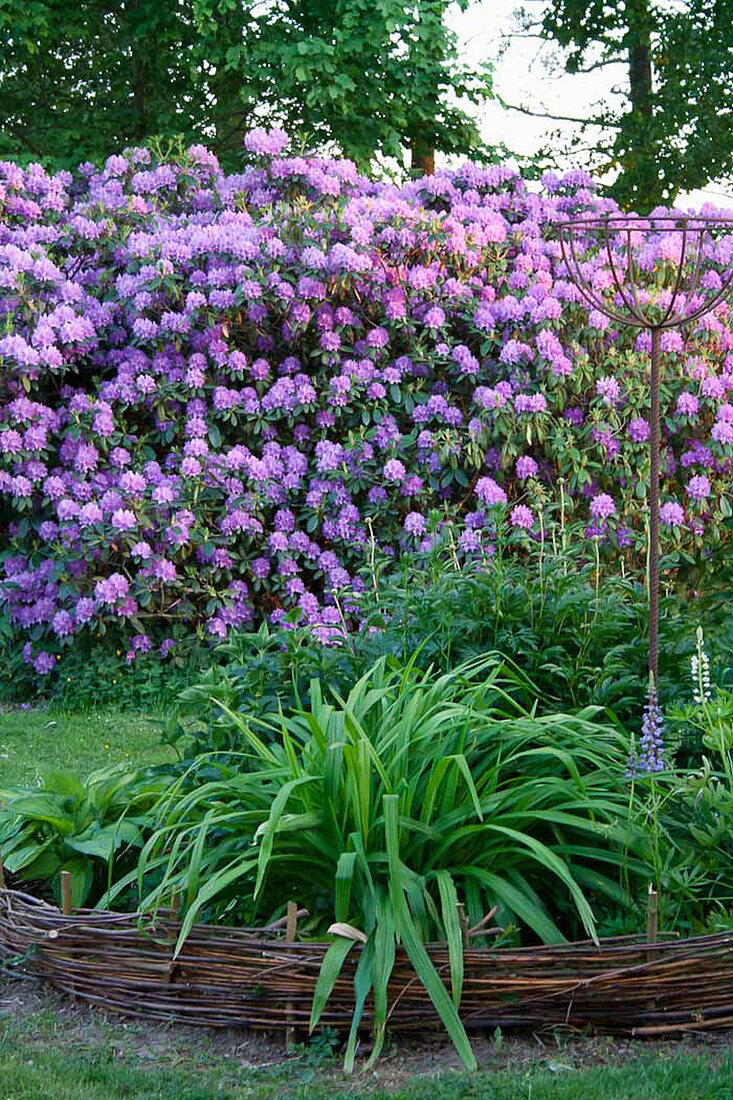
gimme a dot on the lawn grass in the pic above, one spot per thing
(39, 737)
(105, 1070)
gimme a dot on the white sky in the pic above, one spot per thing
(520, 77)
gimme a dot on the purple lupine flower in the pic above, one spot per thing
(651, 757)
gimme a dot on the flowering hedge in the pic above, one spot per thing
(219, 395)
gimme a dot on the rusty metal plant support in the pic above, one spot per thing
(685, 301)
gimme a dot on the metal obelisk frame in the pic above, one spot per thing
(684, 301)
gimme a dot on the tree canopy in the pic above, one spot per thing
(371, 77)
(673, 132)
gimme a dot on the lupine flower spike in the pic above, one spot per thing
(700, 664)
(651, 757)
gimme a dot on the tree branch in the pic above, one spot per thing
(558, 118)
(618, 59)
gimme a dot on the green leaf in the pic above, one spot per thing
(453, 931)
(331, 966)
(415, 949)
(344, 879)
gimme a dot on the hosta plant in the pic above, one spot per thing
(92, 828)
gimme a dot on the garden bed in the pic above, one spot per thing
(226, 977)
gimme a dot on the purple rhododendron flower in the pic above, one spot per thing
(250, 370)
(699, 487)
(638, 430)
(522, 517)
(488, 492)
(415, 523)
(266, 142)
(687, 404)
(526, 467)
(672, 514)
(602, 506)
(394, 470)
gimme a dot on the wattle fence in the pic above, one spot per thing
(228, 977)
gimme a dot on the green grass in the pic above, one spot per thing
(107, 1069)
(33, 739)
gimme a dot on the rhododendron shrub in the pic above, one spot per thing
(221, 396)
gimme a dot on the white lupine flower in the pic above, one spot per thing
(700, 665)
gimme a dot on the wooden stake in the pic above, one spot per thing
(463, 921)
(652, 915)
(652, 919)
(173, 967)
(291, 932)
(66, 906)
(2, 874)
(282, 922)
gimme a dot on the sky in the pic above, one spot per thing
(521, 77)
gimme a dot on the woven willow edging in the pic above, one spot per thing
(226, 977)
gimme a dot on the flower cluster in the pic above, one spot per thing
(219, 395)
(700, 669)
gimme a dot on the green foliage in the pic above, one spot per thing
(80, 82)
(573, 638)
(382, 806)
(90, 676)
(671, 135)
(52, 1054)
(89, 827)
(77, 81)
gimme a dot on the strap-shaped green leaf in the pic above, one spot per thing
(454, 935)
(331, 966)
(415, 949)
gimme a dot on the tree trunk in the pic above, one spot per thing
(422, 156)
(139, 75)
(639, 185)
(640, 59)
